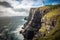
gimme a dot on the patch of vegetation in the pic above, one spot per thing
(54, 13)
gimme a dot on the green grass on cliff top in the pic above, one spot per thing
(54, 11)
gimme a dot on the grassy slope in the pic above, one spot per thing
(53, 12)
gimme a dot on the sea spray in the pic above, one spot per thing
(17, 34)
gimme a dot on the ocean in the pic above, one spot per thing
(10, 26)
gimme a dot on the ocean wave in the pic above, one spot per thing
(18, 29)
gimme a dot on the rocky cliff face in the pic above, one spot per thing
(33, 23)
(39, 22)
(50, 24)
(30, 16)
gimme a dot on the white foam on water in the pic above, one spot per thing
(18, 29)
(18, 35)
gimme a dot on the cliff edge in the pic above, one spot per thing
(43, 23)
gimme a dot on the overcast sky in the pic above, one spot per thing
(22, 7)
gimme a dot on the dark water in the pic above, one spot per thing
(8, 25)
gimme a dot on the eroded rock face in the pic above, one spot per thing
(33, 24)
(36, 22)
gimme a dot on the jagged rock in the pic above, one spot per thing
(35, 18)
(34, 22)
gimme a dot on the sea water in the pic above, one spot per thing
(10, 27)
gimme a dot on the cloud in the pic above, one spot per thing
(21, 10)
(38, 3)
(27, 3)
(10, 12)
(20, 7)
(6, 4)
(15, 11)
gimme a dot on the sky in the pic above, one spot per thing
(22, 7)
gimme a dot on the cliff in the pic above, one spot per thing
(30, 16)
(50, 23)
(43, 23)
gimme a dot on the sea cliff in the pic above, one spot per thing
(43, 23)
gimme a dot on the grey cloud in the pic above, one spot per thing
(21, 10)
(6, 4)
(6, 9)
